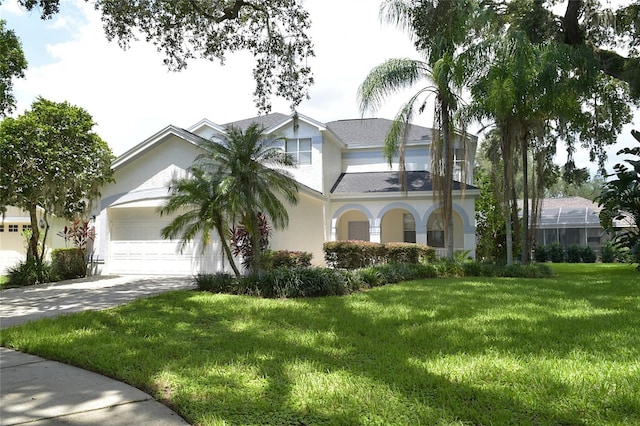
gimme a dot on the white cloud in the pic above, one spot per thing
(10, 7)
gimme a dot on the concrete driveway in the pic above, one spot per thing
(19, 305)
(41, 392)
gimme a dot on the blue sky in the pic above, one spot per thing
(131, 95)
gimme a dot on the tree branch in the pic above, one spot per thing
(611, 63)
(229, 13)
(573, 34)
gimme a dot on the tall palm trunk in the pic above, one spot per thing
(220, 227)
(507, 154)
(448, 175)
(525, 236)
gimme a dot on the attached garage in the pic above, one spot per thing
(136, 246)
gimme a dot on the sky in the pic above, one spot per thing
(131, 94)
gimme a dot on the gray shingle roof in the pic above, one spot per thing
(368, 182)
(372, 131)
(268, 120)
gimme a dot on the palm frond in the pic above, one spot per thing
(387, 79)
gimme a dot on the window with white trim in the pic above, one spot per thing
(409, 225)
(299, 150)
(435, 231)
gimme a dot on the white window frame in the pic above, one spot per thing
(295, 154)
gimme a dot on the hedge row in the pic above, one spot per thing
(574, 254)
(286, 258)
(315, 282)
(361, 254)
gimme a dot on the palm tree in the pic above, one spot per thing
(207, 212)
(444, 74)
(247, 170)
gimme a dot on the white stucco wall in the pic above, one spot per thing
(306, 230)
(372, 160)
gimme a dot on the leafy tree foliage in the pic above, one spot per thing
(274, 31)
(620, 201)
(12, 65)
(51, 158)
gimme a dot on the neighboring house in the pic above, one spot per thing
(13, 243)
(572, 220)
(347, 192)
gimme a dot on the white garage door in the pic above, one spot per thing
(136, 247)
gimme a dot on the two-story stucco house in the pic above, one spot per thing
(348, 191)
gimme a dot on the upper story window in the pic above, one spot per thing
(13, 228)
(299, 150)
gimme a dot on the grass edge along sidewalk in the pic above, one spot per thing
(561, 350)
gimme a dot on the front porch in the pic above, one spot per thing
(418, 222)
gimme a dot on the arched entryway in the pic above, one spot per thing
(353, 225)
(398, 225)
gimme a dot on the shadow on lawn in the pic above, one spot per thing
(364, 369)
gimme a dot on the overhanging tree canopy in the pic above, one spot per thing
(274, 31)
(12, 65)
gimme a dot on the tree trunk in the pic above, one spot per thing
(525, 248)
(32, 250)
(448, 177)
(508, 179)
(227, 250)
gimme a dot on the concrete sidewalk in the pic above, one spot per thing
(40, 392)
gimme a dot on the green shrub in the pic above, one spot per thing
(297, 282)
(556, 253)
(408, 253)
(608, 253)
(574, 253)
(361, 254)
(449, 268)
(69, 263)
(286, 258)
(29, 273)
(352, 254)
(541, 254)
(220, 282)
(471, 269)
(588, 255)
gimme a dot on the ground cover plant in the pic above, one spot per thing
(475, 350)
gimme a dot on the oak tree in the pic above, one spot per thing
(12, 65)
(51, 159)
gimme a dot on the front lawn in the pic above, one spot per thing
(562, 350)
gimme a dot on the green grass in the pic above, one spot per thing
(563, 350)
